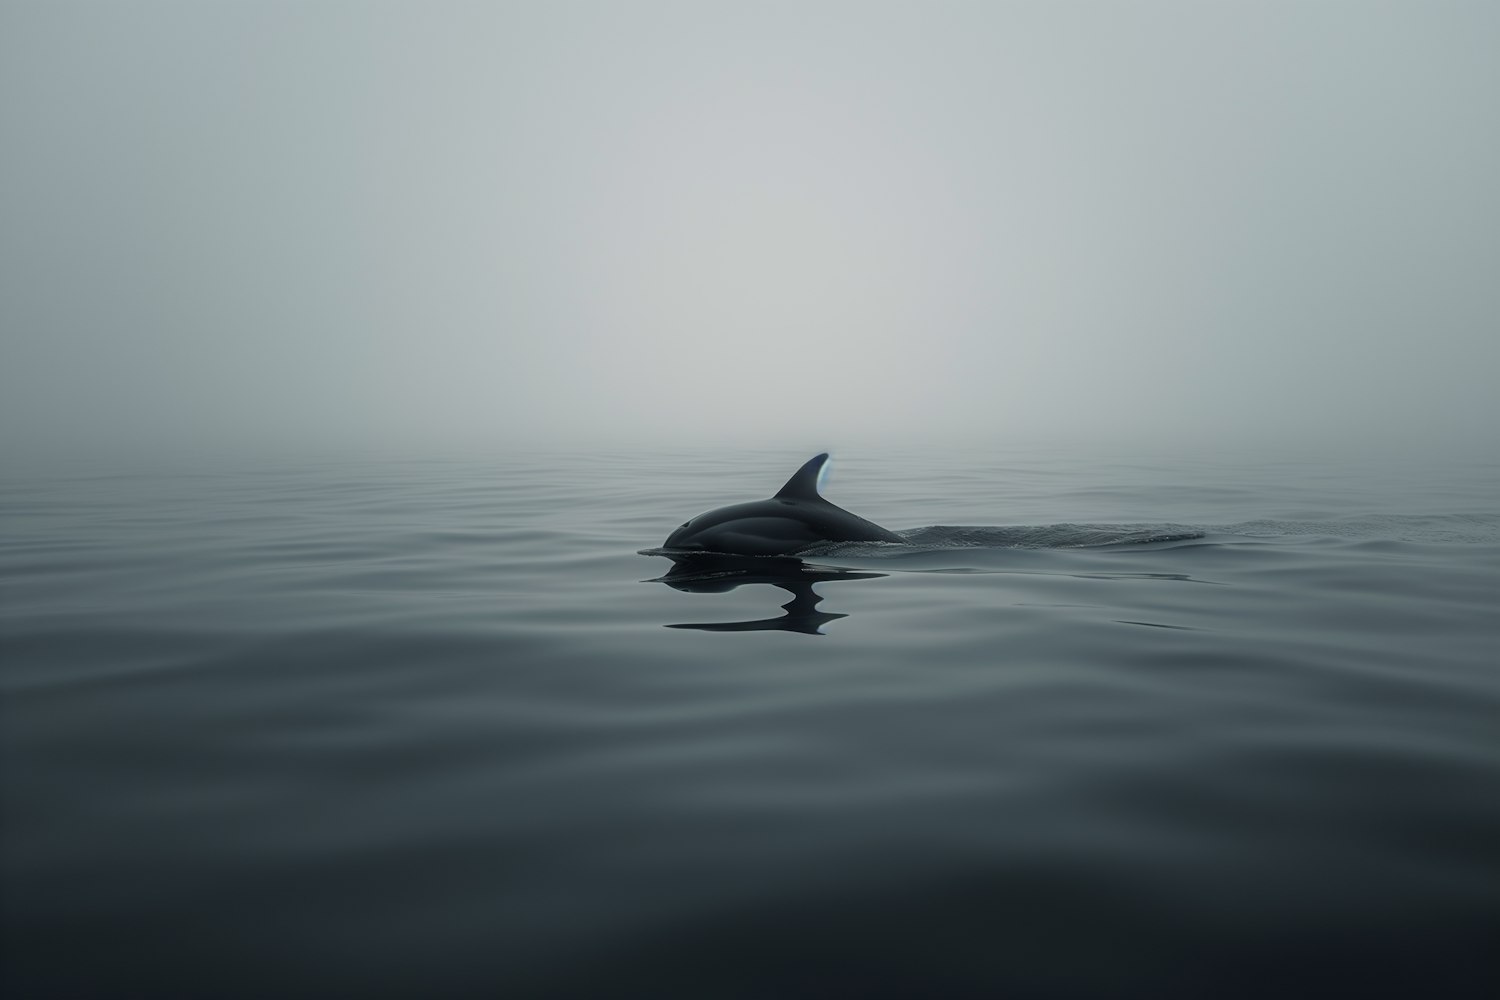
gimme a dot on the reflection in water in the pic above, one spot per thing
(719, 574)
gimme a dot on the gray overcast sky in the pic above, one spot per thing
(434, 225)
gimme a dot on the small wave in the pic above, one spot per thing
(1444, 528)
(1462, 528)
(1047, 536)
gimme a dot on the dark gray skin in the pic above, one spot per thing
(792, 520)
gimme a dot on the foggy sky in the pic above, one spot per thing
(445, 225)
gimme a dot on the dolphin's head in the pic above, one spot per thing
(683, 538)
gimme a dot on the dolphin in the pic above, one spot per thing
(794, 519)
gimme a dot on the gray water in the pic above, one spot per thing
(1106, 727)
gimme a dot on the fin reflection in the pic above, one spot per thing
(719, 574)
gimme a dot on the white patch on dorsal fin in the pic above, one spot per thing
(804, 482)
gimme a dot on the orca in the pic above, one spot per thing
(794, 519)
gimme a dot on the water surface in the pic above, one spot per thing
(1107, 727)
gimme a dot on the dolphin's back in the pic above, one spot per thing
(794, 519)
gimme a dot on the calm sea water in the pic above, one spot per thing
(418, 729)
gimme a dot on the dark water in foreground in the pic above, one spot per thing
(418, 730)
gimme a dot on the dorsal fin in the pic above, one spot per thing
(804, 482)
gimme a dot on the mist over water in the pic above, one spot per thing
(397, 228)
